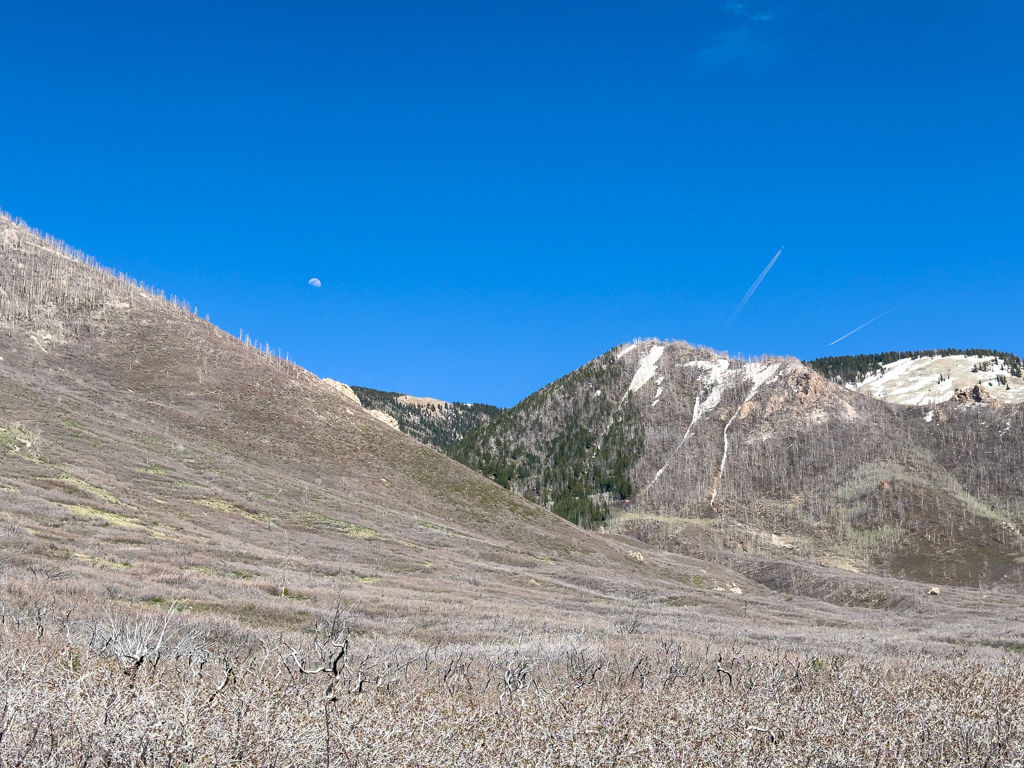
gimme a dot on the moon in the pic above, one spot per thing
(314, 282)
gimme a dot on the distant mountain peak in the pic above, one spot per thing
(691, 449)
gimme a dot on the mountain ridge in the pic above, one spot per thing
(765, 456)
(429, 420)
(151, 457)
(674, 445)
(847, 369)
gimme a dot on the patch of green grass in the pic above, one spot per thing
(83, 510)
(95, 490)
(315, 520)
(221, 572)
(7, 438)
(99, 562)
(220, 505)
(870, 541)
(79, 432)
(681, 600)
(154, 470)
(356, 531)
(13, 438)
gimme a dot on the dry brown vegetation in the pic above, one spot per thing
(208, 558)
(87, 683)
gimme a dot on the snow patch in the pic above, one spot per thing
(646, 370)
(716, 370)
(715, 374)
(916, 381)
(703, 407)
(758, 373)
(621, 352)
(929, 416)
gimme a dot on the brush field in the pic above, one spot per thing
(210, 557)
(99, 683)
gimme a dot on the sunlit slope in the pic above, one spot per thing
(931, 380)
(148, 450)
(929, 377)
(689, 449)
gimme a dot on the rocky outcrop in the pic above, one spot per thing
(346, 392)
(386, 418)
(975, 394)
(808, 386)
(342, 389)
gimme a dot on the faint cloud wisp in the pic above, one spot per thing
(748, 10)
(749, 44)
(742, 45)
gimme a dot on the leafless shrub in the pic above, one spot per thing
(132, 639)
(197, 692)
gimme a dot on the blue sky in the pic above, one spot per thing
(493, 193)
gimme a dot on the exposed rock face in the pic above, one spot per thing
(386, 418)
(808, 386)
(423, 401)
(342, 389)
(975, 394)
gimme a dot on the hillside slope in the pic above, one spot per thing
(929, 377)
(688, 449)
(148, 453)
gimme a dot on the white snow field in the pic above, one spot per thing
(646, 370)
(915, 381)
(716, 375)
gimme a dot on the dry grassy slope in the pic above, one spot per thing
(768, 458)
(146, 451)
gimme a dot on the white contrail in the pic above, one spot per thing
(756, 283)
(869, 322)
